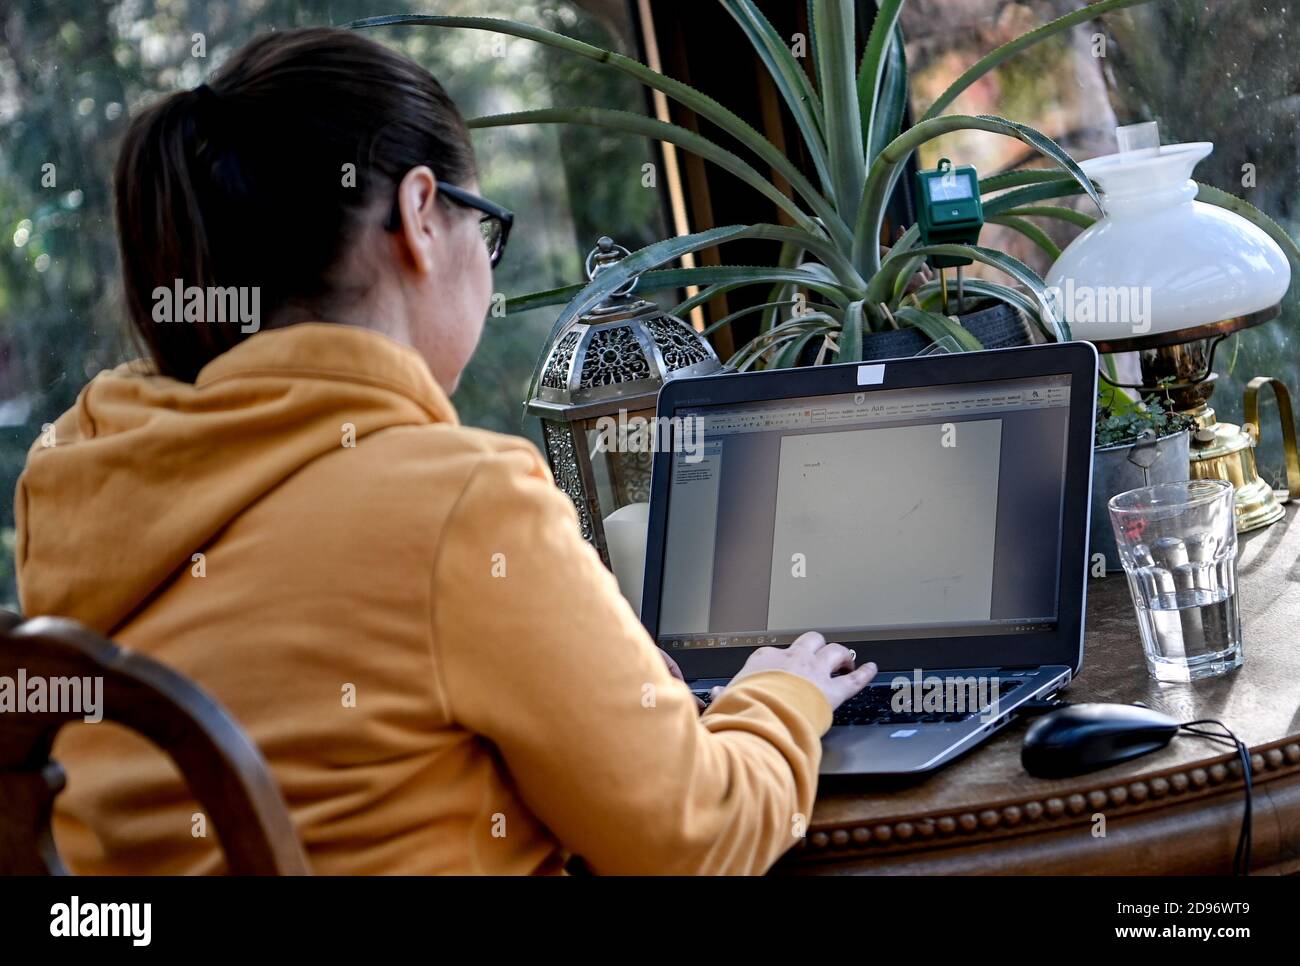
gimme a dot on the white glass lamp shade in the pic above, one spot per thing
(1160, 261)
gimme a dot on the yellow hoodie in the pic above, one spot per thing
(402, 615)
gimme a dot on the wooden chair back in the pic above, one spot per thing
(222, 767)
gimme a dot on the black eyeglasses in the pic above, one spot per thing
(495, 223)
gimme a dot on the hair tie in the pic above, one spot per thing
(207, 113)
(207, 105)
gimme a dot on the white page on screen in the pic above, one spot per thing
(894, 527)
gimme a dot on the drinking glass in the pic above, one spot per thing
(1178, 544)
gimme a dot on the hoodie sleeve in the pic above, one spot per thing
(541, 655)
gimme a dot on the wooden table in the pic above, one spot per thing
(1177, 811)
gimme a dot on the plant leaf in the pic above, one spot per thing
(789, 78)
(1018, 197)
(891, 105)
(764, 342)
(851, 332)
(834, 29)
(703, 105)
(789, 357)
(812, 38)
(1030, 231)
(654, 281)
(1055, 211)
(883, 40)
(764, 276)
(938, 326)
(741, 313)
(789, 257)
(630, 123)
(905, 242)
(1016, 179)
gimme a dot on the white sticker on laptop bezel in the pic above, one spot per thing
(871, 375)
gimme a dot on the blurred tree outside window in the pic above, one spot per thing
(74, 72)
(1207, 70)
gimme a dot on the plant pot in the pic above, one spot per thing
(996, 325)
(1118, 468)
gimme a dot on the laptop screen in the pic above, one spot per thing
(884, 515)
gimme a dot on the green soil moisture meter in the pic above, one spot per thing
(949, 213)
(950, 210)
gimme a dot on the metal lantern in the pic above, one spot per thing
(601, 376)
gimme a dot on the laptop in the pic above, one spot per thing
(931, 513)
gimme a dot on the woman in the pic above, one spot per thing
(398, 610)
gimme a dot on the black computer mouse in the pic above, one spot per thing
(1084, 737)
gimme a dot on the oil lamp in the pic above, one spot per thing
(1169, 278)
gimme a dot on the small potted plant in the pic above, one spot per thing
(1136, 444)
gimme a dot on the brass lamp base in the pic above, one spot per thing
(1222, 451)
(1181, 370)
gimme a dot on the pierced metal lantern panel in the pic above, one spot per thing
(621, 352)
(562, 454)
(610, 363)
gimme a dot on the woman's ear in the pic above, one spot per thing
(416, 200)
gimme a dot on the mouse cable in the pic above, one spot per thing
(1241, 860)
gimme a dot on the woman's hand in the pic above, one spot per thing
(676, 672)
(812, 658)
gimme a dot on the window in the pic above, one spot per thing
(1206, 70)
(72, 75)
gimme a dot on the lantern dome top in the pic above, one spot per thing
(617, 355)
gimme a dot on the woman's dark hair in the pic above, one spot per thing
(260, 177)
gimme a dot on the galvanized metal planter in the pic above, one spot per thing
(1126, 466)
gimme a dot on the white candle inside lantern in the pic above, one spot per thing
(625, 538)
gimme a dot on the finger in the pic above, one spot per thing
(835, 657)
(673, 669)
(812, 642)
(715, 692)
(850, 684)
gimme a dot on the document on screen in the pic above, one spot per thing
(886, 527)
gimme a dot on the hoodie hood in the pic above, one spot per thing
(143, 471)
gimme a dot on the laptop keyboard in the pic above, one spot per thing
(873, 705)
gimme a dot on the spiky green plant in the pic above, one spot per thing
(849, 115)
